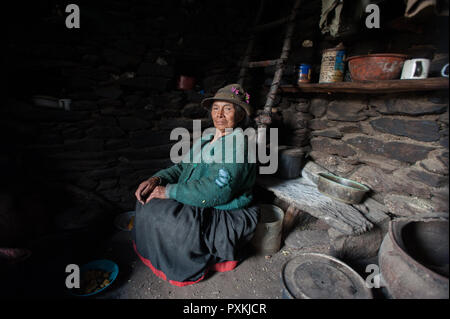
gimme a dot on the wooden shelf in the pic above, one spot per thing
(370, 87)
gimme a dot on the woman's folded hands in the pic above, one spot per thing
(145, 190)
(158, 192)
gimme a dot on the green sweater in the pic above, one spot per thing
(225, 183)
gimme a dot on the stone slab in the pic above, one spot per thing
(421, 130)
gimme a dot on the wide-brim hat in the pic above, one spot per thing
(233, 93)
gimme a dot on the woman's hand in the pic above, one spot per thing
(158, 192)
(146, 188)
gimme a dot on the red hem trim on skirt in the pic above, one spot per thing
(219, 267)
(224, 266)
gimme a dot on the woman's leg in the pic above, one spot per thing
(229, 232)
(168, 237)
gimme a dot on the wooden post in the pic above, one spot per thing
(283, 58)
(248, 52)
(289, 220)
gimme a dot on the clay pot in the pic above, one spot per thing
(376, 67)
(414, 258)
(186, 83)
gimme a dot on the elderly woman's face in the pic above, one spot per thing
(223, 115)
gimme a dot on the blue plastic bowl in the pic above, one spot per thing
(101, 264)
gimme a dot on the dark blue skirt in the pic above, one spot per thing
(180, 243)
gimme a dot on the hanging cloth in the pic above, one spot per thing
(416, 7)
(331, 16)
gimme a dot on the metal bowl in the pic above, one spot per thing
(342, 189)
(320, 276)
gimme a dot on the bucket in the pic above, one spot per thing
(267, 238)
(290, 162)
(333, 65)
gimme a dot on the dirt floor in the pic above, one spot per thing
(257, 277)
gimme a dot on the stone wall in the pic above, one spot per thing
(120, 70)
(395, 144)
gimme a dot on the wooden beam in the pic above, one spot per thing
(262, 64)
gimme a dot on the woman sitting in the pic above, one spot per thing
(198, 215)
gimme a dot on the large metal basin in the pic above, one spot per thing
(342, 189)
(319, 276)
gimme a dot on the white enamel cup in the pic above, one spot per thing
(444, 71)
(415, 69)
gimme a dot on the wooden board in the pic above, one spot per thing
(370, 87)
(307, 198)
